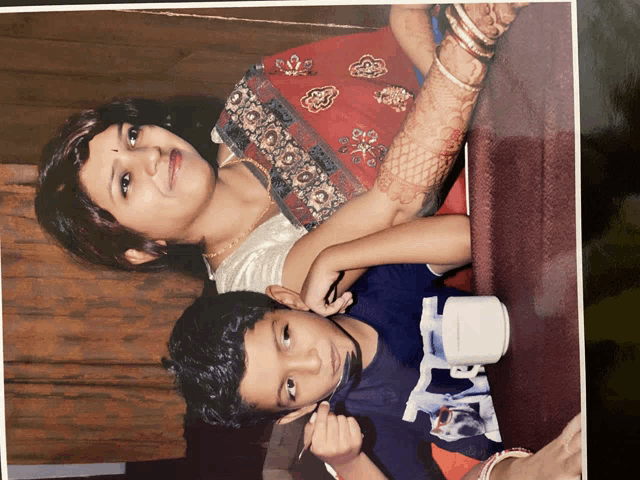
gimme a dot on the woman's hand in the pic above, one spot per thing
(493, 19)
(559, 460)
(320, 285)
(334, 439)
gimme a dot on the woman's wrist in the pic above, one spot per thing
(504, 465)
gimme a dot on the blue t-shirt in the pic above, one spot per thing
(390, 299)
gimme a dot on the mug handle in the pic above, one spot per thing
(457, 372)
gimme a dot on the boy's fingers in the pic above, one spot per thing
(354, 428)
(344, 431)
(320, 431)
(308, 430)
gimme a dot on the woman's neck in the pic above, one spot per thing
(240, 204)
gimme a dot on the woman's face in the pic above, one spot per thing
(149, 179)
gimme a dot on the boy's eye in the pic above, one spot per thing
(291, 389)
(286, 339)
(124, 184)
(132, 136)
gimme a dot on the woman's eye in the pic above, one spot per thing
(286, 340)
(291, 389)
(124, 184)
(132, 136)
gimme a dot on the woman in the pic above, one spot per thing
(122, 174)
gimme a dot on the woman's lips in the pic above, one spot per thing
(175, 161)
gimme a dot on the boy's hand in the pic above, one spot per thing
(319, 287)
(334, 439)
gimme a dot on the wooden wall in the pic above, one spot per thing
(82, 346)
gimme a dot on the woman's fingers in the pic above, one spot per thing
(339, 305)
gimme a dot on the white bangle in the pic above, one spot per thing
(498, 457)
(472, 26)
(454, 80)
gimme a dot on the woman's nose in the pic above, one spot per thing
(308, 362)
(150, 158)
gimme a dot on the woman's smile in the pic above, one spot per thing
(175, 161)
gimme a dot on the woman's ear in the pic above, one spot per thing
(138, 257)
(291, 416)
(286, 296)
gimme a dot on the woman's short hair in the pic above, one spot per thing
(90, 233)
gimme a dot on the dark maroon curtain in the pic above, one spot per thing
(522, 194)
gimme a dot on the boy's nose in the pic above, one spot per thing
(308, 363)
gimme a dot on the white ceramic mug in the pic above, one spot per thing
(475, 332)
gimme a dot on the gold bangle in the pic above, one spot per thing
(480, 53)
(485, 473)
(467, 49)
(466, 20)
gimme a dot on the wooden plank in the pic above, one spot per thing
(25, 130)
(369, 16)
(159, 29)
(79, 424)
(121, 338)
(64, 57)
(87, 91)
(74, 374)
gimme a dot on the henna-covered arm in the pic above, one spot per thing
(424, 149)
(418, 160)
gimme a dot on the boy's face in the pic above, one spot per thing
(294, 359)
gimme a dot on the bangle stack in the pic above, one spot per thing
(468, 35)
(498, 457)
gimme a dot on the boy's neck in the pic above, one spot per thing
(364, 334)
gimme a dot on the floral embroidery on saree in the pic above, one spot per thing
(294, 67)
(363, 146)
(394, 96)
(320, 98)
(297, 141)
(368, 67)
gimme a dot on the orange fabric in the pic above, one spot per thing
(453, 465)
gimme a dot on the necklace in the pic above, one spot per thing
(262, 214)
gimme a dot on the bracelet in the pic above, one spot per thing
(466, 20)
(466, 26)
(463, 37)
(484, 59)
(452, 79)
(498, 457)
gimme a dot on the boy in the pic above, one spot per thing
(243, 358)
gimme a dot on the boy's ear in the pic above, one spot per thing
(291, 416)
(286, 296)
(138, 257)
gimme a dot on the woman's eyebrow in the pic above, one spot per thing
(113, 164)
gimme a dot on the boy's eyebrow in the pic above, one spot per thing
(276, 348)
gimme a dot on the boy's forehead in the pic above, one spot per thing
(288, 314)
